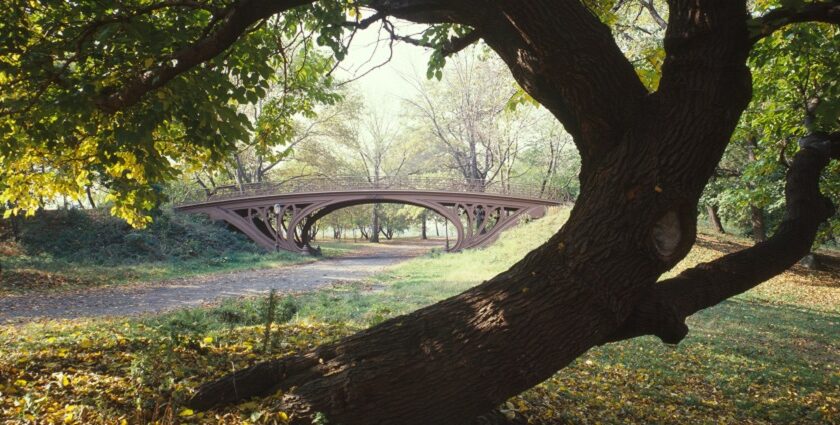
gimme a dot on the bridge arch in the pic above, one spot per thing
(279, 218)
(313, 218)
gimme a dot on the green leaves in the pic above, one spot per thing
(792, 68)
(59, 60)
(440, 36)
(649, 69)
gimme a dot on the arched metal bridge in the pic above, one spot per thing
(279, 215)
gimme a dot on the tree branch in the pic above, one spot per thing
(449, 48)
(651, 8)
(237, 20)
(663, 309)
(828, 12)
(366, 22)
(457, 44)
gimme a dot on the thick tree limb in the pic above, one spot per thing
(239, 17)
(706, 46)
(663, 309)
(828, 12)
(571, 64)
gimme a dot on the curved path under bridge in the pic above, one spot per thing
(280, 215)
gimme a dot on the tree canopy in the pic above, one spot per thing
(69, 118)
(794, 92)
(128, 94)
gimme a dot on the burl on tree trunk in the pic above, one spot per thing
(645, 160)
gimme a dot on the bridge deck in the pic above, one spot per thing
(338, 185)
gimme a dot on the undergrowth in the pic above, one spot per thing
(70, 248)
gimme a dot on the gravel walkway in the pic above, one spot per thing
(157, 297)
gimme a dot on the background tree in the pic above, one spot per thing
(551, 162)
(286, 117)
(794, 87)
(396, 219)
(469, 119)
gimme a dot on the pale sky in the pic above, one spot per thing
(383, 87)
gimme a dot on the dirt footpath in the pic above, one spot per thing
(130, 300)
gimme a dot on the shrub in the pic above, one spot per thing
(94, 236)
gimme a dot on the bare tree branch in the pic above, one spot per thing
(828, 12)
(449, 48)
(651, 8)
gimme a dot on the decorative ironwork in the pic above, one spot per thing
(281, 215)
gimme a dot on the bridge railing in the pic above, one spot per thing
(356, 183)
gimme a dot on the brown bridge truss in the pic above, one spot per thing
(281, 215)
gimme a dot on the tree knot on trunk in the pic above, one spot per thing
(667, 234)
(673, 234)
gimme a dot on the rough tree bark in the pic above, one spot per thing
(645, 160)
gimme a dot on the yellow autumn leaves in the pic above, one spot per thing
(130, 373)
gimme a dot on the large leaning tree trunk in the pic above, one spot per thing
(645, 160)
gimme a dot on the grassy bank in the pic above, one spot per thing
(68, 249)
(766, 357)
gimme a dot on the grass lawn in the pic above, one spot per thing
(766, 357)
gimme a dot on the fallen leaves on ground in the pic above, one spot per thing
(27, 279)
(769, 356)
(63, 372)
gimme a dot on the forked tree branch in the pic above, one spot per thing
(828, 12)
(662, 310)
(654, 13)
